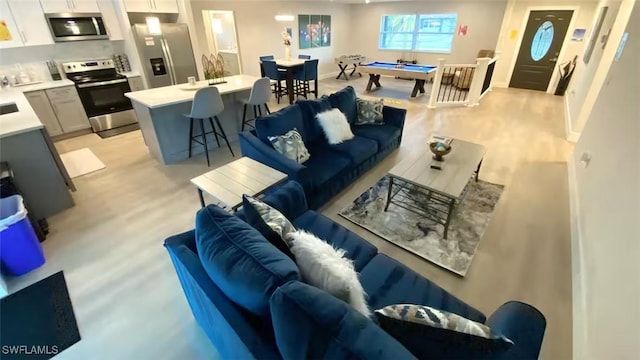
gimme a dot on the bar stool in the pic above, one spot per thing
(207, 103)
(271, 71)
(260, 96)
(303, 79)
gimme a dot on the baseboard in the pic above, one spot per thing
(568, 128)
(328, 75)
(499, 84)
(578, 269)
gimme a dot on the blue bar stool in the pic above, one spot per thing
(271, 71)
(303, 79)
(260, 96)
(207, 104)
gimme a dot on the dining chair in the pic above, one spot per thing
(309, 73)
(271, 71)
(305, 57)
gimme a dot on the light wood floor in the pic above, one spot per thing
(127, 299)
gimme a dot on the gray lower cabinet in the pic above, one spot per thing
(42, 107)
(136, 83)
(68, 108)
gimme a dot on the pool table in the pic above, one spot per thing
(420, 73)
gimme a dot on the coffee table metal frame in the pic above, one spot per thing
(422, 200)
(435, 194)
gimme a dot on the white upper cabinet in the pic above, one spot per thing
(110, 18)
(9, 33)
(30, 22)
(157, 6)
(64, 6)
(165, 6)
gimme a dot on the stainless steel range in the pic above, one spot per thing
(101, 91)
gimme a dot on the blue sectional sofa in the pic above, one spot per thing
(330, 168)
(248, 297)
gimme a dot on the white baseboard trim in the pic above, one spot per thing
(571, 135)
(578, 269)
(328, 75)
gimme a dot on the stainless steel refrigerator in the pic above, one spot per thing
(167, 59)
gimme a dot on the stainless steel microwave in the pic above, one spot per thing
(76, 26)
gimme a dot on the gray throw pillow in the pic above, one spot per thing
(273, 218)
(291, 146)
(369, 112)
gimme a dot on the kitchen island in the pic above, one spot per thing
(29, 152)
(165, 129)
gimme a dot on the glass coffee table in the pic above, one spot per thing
(434, 194)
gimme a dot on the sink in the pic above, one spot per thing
(8, 108)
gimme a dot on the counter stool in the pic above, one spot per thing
(260, 96)
(207, 104)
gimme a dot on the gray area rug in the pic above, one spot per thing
(422, 236)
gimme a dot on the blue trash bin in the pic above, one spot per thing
(20, 249)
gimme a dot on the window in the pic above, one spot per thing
(423, 32)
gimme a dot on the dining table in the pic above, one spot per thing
(289, 66)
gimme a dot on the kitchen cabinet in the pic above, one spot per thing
(68, 108)
(42, 107)
(6, 15)
(30, 22)
(136, 83)
(76, 6)
(157, 6)
(110, 18)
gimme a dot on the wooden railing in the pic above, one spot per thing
(461, 84)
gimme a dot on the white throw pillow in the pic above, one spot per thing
(326, 268)
(335, 126)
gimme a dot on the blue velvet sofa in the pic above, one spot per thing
(248, 297)
(330, 168)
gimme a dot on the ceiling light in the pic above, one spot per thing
(153, 23)
(284, 18)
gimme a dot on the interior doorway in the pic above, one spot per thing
(222, 39)
(540, 47)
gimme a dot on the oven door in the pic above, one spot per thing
(73, 27)
(104, 97)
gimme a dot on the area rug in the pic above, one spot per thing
(38, 321)
(81, 162)
(423, 236)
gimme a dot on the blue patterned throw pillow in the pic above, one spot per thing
(291, 146)
(433, 333)
(369, 112)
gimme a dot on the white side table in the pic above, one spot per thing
(228, 183)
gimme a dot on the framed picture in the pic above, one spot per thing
(595, 34)
(314, 31)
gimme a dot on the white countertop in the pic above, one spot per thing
(290, 63)
(170, 95)
(18, 122)
(130, 74)
(43, 85)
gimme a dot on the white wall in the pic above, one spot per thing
(75, 50)
(592, 83)
(584, 73)
(515, 18)
(606, 208)
(259, 32)
(482, 18)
